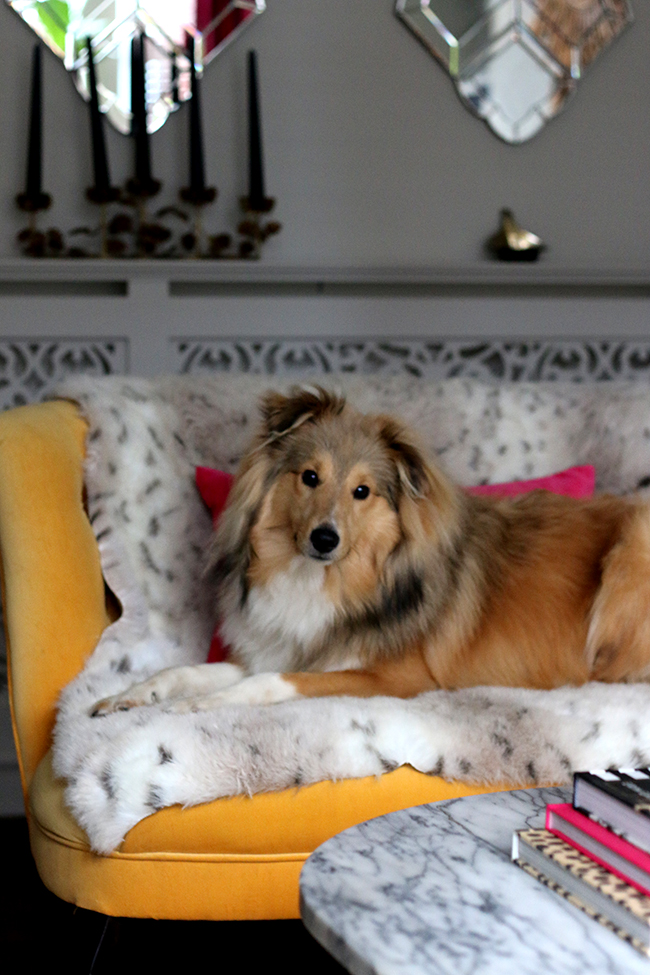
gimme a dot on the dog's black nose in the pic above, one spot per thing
(324, 539)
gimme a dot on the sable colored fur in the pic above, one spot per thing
(346, 562)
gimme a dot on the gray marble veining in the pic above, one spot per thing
(432, 889)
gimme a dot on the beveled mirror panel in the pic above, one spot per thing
(515, 62)
(64, 25)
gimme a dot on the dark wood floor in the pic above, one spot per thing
(38, 930)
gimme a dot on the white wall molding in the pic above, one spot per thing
(489, 360)
(31, 367)
(153, 305)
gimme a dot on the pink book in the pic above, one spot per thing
(601, 844)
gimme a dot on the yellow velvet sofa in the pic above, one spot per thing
(234, 858)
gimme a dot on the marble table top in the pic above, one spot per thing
(432, 889)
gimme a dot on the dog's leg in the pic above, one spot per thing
(402, 677)
(172, 684)
(618, 642)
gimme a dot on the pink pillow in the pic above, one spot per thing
(575, 482)
(214, 487)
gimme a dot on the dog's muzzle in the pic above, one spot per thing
(323, 540)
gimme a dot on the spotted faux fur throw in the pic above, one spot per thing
(145, 439)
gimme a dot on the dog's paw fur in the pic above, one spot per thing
(258, 689)
(175, 684)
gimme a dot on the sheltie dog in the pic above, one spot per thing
(346, 562)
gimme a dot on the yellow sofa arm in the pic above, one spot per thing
(53, 591)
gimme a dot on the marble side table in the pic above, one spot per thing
(432, 890)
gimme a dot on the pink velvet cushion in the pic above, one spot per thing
(576, 482)
(214, 487)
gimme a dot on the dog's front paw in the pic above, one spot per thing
(267, 688)
(135, 697)
(172, 686)
(109, 705)
(190, 705)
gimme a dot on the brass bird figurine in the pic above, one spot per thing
(512, 243)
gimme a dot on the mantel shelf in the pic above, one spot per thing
(242, 273)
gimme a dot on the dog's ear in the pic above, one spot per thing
(414, 473)
(427, 501)
(230, 552)
(282, 414)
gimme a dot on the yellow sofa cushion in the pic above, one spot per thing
(236, 858)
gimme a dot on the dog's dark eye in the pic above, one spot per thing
(310, 478)
(361, 492)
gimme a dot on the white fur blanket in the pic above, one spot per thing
(146, 438)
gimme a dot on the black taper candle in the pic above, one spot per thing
(34, 199)
(34, 152)
(174, 79)
(197, 192)
(139, 117)
(256, 197)
(197, 168)
(101, 191)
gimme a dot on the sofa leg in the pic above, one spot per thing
(99, 945)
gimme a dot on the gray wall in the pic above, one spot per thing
(371, 155)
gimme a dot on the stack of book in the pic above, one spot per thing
(596, 850)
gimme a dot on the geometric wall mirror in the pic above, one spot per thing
(167, 25)
(515, 62)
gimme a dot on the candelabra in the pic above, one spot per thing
(125, 227)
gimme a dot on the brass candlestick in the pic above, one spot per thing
(146, 237)
(198, 198)
(252, 229)
(33, 241)
(102, 197)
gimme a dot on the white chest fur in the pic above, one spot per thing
(281, 618)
